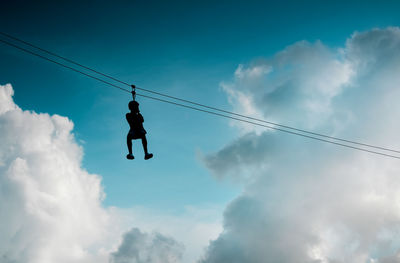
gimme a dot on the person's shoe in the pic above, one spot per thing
(130, 157)
(148, 156)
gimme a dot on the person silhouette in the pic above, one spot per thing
(135, 120)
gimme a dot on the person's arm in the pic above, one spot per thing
(128, 119)
(141, 118)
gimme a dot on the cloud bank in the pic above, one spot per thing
(306, 201)
(50, 206)
(138, 247)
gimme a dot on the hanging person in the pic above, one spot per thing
(135, 120)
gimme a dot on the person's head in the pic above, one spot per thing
(133, 106)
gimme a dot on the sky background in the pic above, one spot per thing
(188, 49)
(180, 48)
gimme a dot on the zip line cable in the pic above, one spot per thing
(196, 103)
(63, 58)
(269, 127)
(207, 111)
(62, 65)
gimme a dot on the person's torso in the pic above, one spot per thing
(135, 120)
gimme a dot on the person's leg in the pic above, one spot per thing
(147, 155)
(144, 143)
(129, 143)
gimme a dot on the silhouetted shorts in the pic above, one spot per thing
(137, 134)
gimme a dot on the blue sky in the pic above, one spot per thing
(182, 48)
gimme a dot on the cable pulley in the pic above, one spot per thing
(133, 92)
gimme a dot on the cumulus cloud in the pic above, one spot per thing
(302, 79)
(195, 226)
(138, 247)
(51, 208)
(304, 201)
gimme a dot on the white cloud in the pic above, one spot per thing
(51, 207)
(138, 247)
(303, 78)
(305, 201)
(194, 227)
